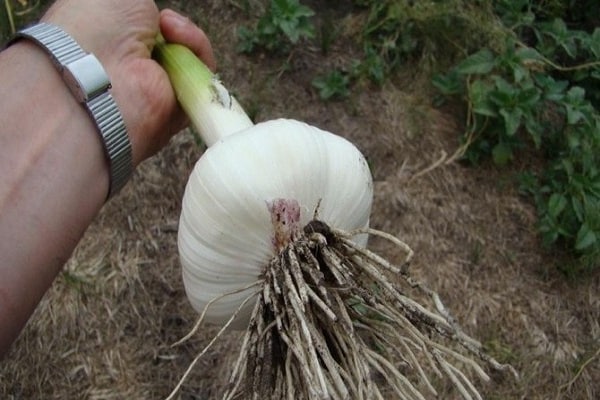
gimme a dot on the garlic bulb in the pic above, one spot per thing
(226, 232)
(321, 314)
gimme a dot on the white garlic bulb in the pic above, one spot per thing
(226, 235)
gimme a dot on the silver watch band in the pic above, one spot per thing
(89, 83)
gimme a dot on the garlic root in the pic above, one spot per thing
(331, 323)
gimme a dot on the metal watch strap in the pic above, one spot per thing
(89, 83)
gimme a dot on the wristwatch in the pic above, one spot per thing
(87, 80)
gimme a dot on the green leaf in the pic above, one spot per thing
(585, 237)
(448, 84)
(528, 96)
(577, 206)
(552, 89)
(502, 154)
(528, 54)
(479, 94)
(556, 204)
(505, 92)
(247, 40)
(595, 43)
(567, 166)
(573, 115)
(481, 62)
(303, 11)
(535, 129)
(333, 85)
(512, 120)
(573, 142)
(519, 73)
(576, 94)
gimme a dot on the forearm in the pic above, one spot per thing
(58, 181)
(54, 176)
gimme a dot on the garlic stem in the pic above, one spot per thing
(213, 111)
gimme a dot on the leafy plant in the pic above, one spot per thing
(401, 31)
(16, 13)
(333, 85)
(523, 98)
(285, 23)
(528, 72)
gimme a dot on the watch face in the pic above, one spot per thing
(86, 78)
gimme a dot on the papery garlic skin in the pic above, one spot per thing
(225, 231)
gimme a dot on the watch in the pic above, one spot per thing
(87, 80)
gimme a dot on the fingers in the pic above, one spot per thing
(179, 29)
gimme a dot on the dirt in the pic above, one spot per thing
(105, 329)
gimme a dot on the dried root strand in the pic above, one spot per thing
(330, 324)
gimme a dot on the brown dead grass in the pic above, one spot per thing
(105, 328)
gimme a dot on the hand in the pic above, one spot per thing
(53, 170)
(122, 33)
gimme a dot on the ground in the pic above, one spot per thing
(105, 329)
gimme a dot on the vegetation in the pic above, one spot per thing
(16, 13)
(539, 96)
(282, 25)
(526, 72)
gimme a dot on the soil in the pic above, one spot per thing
(105, 329)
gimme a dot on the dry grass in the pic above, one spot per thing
(105, 329)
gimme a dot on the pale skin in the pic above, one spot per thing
(54, 176)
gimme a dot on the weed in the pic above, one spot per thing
(433, 33)
(284, 24)
(530, 81)
(524, 98)
(16, 13)
(334, 85)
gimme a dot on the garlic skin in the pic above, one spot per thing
(225, 232)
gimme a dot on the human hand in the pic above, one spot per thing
(122, 33)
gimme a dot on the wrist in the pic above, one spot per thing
(46, 128)
(54, 179)
(86, 79)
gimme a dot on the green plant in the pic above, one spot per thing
(524, 99)
(334, 85)
(16, 13)
(430, 33)
(285, 23)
